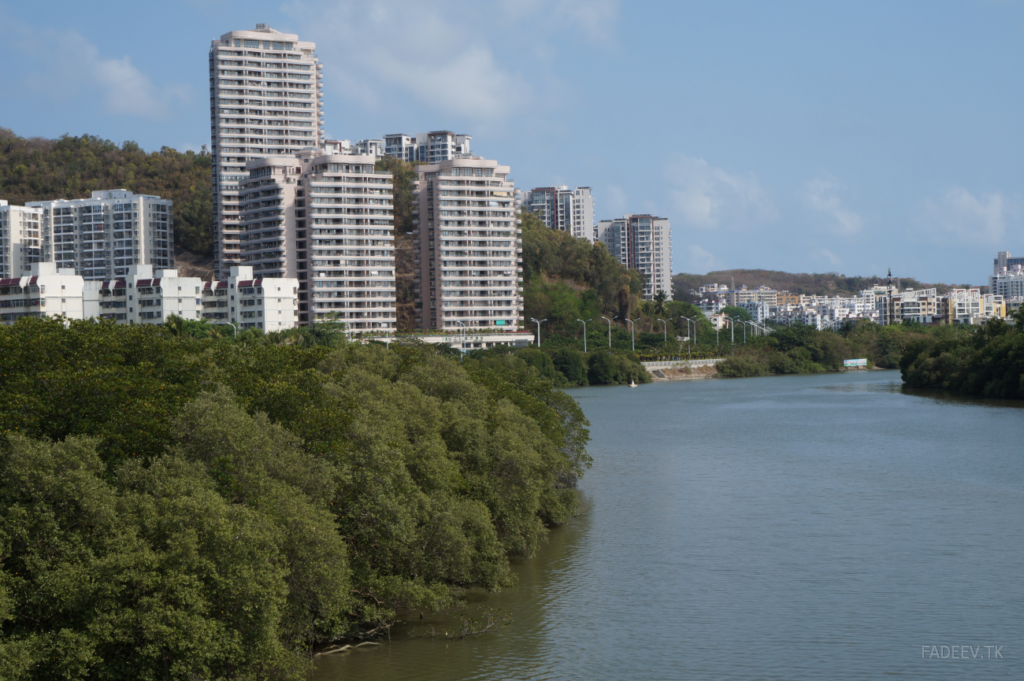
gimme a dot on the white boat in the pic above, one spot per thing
(632, 384)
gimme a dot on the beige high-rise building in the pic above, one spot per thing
(644, 243)
(470, 247)
(265, 100)
(326, 220)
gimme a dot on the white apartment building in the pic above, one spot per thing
(44, 291)
(266, 99)
(428, 147)
(566, 210)
(103, 236)
(252, 303)
(142, 297)
(644, 243)
(470, 247)
(21, 240)
(147, 297)
(327, 221)
(1009, 285)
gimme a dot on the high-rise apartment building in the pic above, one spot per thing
(427, 147)
(470, 247)
(102, 236)
(21, 239)
(644, 243)
(1004, 264)
(564, 209)
(326, 220)
(266, 99)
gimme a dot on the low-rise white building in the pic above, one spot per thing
(143, 297)
(46, 291)
(251, 303)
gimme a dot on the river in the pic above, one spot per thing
(805, 527)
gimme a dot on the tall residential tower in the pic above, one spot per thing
(644, 243)
(470, 247)
(266, 99)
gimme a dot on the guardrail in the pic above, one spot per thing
(674, 363)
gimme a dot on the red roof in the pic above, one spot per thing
(142, 282)
(10, 282)
(243, 284)
(222, 284)
(32, 280)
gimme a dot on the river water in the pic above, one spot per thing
(805, 527)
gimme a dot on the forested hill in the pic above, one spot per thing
(39, 169)
(807, 284)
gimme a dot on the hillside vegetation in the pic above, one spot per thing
(182, 507)
(805, 284)
(39, 169)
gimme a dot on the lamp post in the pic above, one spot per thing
(234, 331)
(688, 321)
(584, 323)
(664, 331)
(538, 323)
(609, 330)
(462, 343)
(632, 336)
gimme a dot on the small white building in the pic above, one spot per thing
(45, 292)
(251, 303)
(142, 297)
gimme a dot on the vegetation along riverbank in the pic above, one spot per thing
(174, 506)
(986, 362)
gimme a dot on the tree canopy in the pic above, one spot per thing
(178, 504)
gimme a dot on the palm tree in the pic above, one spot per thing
(659, 303)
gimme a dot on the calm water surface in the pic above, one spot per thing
(810, 527)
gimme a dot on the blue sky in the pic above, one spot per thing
(799, 136)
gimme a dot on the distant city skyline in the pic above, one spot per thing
(799, 137)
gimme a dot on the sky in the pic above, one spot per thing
(813, 136)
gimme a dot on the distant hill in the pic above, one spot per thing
(807, 284)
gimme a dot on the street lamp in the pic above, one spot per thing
(584, 323)
(688, 321)
(664, 331)
(462, 343)
(234, 331)
(538, 323)
(609, 330)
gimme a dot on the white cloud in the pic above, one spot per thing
(68, 64)
(822, 196)
(707, 197)
(595, 19)
(827, 255)
(439, 54)
(960, 215)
